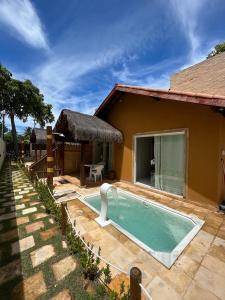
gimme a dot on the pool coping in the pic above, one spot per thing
(165, 258)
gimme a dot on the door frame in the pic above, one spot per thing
(183, 131)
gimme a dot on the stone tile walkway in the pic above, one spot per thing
(34, 259)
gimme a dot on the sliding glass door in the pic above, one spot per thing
(160, 161)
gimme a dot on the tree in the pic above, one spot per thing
(27, 134)
(22, 99)
(218, 49)
(8, 137)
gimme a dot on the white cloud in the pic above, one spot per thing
(21, 17)
(154, 76)
(188, 14)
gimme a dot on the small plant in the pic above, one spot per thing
(90, 264)
(107, 275)
(124, 293)
(48, 201)
(101, 291)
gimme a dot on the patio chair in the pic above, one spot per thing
(96, 172)
(102, 163)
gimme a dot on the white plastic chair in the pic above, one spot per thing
(96, 172)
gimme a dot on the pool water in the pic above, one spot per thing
(157, 227)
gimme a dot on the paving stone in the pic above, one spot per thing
(9, 235)
(188, 265)
(23, 192)
(194, 292)
(25, 200)
(22, 245)
(40, 216)
(221, 234)
(10, 271)
(29, 188)
(35, 203)
(47, 234)
(32, 194)
(176, 278)
(64, 245)
(19, 221)
(34, 226)
(42, 254)
(218, 251)
(51, 220)
(214, 264)
(63, 295)
(20, 206)
(211, 281)
(29, 210)
(31, 288)
(159, 290)
(64, 267)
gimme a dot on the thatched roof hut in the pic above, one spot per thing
(38, 136)
(79, 127)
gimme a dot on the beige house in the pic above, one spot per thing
(173, 141)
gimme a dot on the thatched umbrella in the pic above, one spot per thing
(80, 127)
(38, 136)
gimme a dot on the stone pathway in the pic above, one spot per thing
(34, 259)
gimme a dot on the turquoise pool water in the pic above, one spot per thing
(158, 228)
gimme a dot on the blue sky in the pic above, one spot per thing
(75, 51)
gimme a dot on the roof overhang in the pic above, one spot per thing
(216, 101)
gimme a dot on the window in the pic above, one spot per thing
(160, 161)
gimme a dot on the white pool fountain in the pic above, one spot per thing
(104, 189)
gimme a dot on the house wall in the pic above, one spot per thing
(72, 157)
(205, 139)
(205, 77)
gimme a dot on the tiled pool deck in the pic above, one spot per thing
(199, 272)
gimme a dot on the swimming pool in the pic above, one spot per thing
(161, 231)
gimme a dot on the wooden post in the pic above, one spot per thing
(50, 159)
(62, 149)
(35, 149)
(135, 280)
(64, 217)
(22, 150)
(82, 173)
